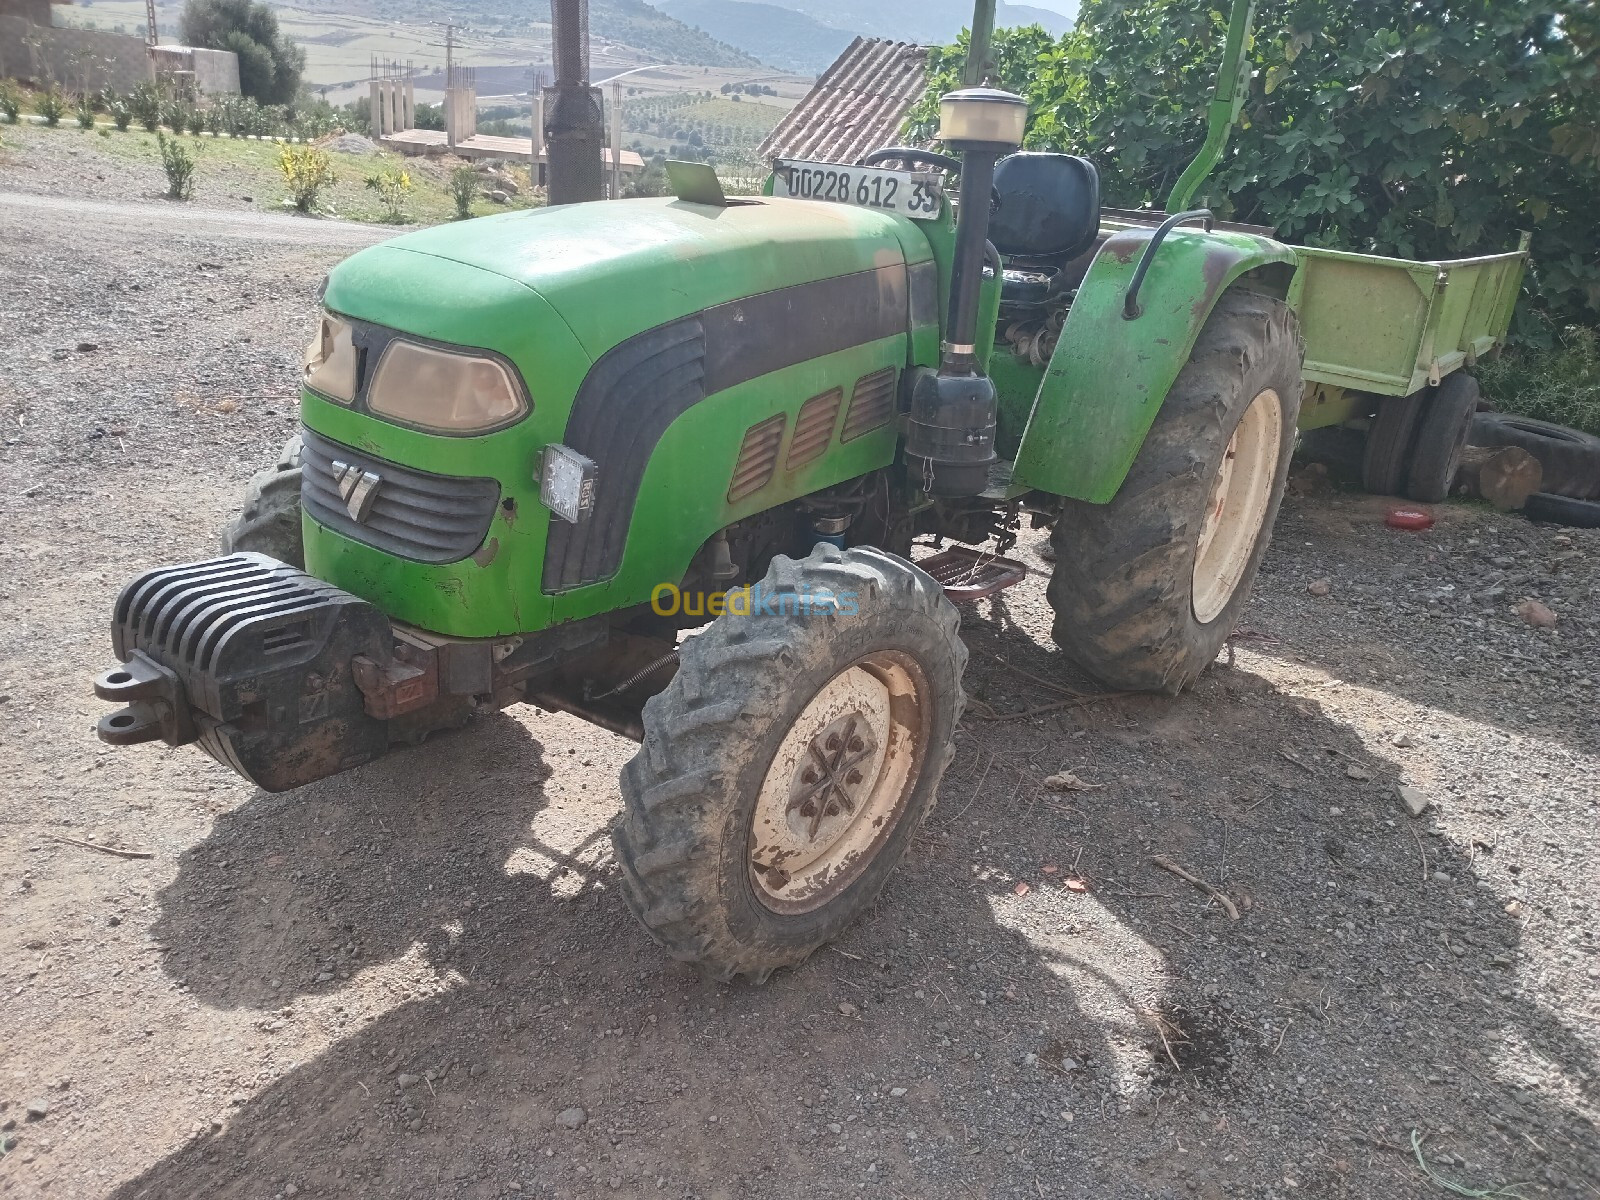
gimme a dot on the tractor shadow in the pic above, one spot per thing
(470, 980)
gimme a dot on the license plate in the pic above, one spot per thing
(909, 193)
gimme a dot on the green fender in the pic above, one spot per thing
(1109, 374)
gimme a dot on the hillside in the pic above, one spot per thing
(928, 21)
(777, 36)
(630, 23)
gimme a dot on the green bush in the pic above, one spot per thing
(83, 109)
(392, 187)
(51, 105)
(121, 113)
(1560, 384)
(10, 102)
(196, 122)
(1430, 131)
(179, 165)
(463, 189)
(307, 171)
(145, 105)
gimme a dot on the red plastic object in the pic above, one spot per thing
(1409, 518)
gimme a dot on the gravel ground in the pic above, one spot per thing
(418, 979)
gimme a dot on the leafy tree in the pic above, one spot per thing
(270, 64)
(1430, 128)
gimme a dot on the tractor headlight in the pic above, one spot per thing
(331, 360)
(444, 391)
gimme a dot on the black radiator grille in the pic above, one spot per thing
(871, 404)
(813, 428)
(427, 518)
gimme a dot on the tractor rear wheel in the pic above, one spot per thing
(269, 521)
(788, 764)
(1147, 588)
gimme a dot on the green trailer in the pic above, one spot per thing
(661, 464)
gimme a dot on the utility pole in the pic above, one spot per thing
(574, 129)
(151, 40)
(978, 45)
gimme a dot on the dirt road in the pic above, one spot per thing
(419, 979)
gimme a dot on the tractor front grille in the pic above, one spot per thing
(408, 513)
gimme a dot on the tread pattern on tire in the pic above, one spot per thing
(269, 521)
(1122, 585)
(699, 733)
(1441, 438)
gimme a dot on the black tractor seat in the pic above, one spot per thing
(1046, 214)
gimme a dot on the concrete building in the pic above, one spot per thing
(32, 47)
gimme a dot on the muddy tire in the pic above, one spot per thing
(1442, 438)
(269, 521)
(787, 766)
(1147, 588)
(1386, 461)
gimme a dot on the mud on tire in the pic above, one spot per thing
(269, 521)
(691, 867)
(1123, 590)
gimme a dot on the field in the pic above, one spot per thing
(340, 47)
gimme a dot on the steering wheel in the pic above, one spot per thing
(911, 154)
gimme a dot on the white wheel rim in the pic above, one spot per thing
(1237, 508)
(840, 782)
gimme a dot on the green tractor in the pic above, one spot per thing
(659, 463)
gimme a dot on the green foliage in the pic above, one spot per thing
(51, 105)
(1428, 131)
(307, 171)
(195, 121)
(428, 116)
(392, 187)
(463, 189)
(270, 64)
(179, 165)
(83, 110)
(145, 104)
(121, 113)
(10, 102)
(652, 181)
(1559, 383)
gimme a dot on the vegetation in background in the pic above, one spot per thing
(10, 102)
(307, 171)
(51, 105)
(270, 64)
(83, 110)
(463, 189)
(1558, 383)
(1427, 131)
(178, 163)
(392, 186)
(121, 112)
(145, 104)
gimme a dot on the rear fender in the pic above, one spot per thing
(1109, 373)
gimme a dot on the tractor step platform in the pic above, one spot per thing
(967, 574)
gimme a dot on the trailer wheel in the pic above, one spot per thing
(1442, 438)
(269, 522)
(1387, 458)
(790, 761)
(1147, 588)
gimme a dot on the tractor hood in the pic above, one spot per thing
(613, 269)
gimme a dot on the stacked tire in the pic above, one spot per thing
(1570, 460)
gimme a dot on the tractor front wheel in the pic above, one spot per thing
(1147, 588)
(787, 766)
(269, 520)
